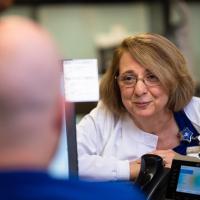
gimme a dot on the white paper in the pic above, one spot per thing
(81, 80)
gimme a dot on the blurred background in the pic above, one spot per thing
(93, 28)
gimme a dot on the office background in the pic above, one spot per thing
(82, 30)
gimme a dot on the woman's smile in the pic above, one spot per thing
(142, 104)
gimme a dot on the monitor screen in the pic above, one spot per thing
(79, 84)
(189, 180)
(65, 162)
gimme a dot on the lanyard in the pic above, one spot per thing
(188, 133)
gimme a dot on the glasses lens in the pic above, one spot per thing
(151, 80)
(127, 79)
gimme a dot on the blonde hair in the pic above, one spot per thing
(160, 56)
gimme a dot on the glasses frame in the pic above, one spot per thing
(120, 80)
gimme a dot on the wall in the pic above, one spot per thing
(76, 27)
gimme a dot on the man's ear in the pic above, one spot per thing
(59, 114)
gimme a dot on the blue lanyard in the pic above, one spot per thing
(187, 131)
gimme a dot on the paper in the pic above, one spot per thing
(81, 80)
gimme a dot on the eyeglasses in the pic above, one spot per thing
(130, 80)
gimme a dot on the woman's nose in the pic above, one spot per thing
(140, 88)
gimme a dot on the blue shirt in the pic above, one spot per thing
(37, 185)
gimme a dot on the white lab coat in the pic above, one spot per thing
(106, 144)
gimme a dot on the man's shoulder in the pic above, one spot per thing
(103, 190)
(107, 190)
(37, 186)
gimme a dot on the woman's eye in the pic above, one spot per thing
(129, 78)
(152, 78)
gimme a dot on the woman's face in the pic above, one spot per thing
(146, 97)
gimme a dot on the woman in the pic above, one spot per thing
(147, 106)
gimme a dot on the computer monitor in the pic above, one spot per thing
(79, 84)
(65, 162)
(184, 180)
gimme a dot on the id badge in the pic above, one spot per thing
(193, 151)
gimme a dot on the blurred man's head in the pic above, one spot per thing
(30, 100)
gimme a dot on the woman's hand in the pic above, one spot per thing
(166, 155)
(134, 169)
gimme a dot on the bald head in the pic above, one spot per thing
(28, 62)
(29, 83)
